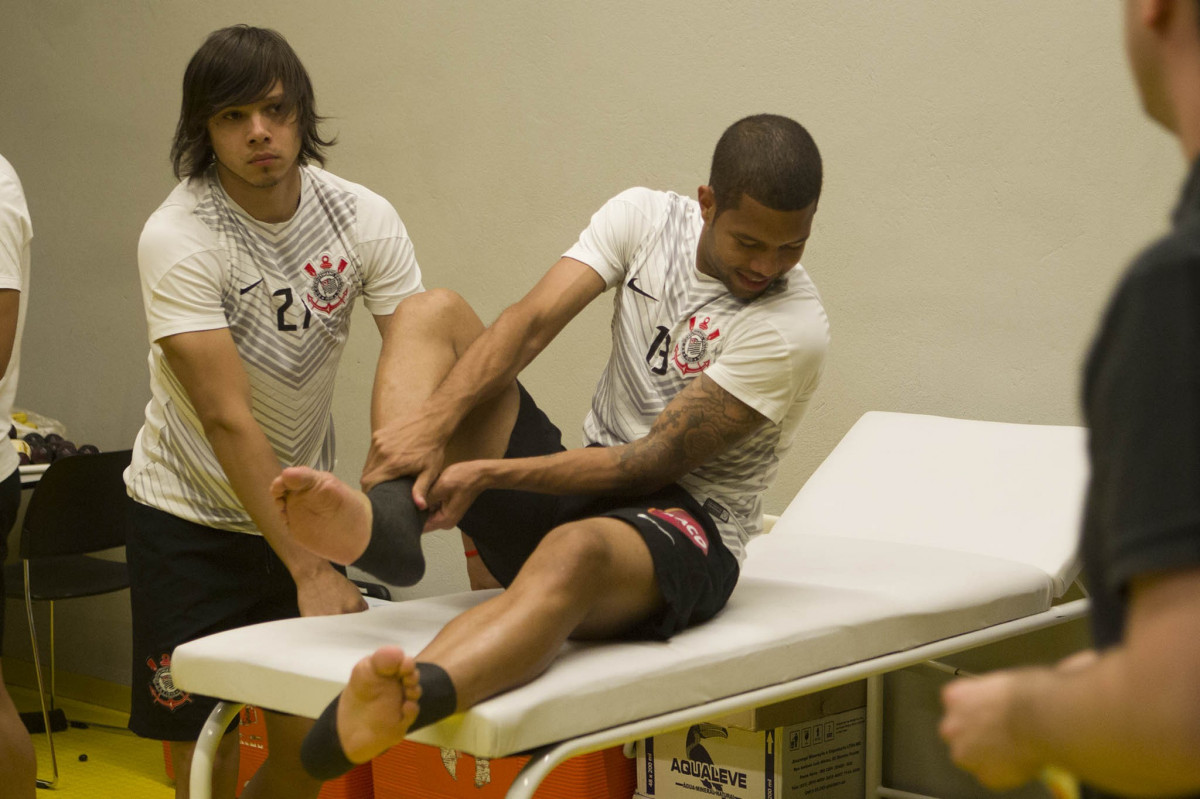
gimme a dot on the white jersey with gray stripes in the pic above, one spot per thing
(672, 323)
(285, 292)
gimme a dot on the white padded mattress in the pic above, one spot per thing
(806, 602)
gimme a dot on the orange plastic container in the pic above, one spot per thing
(252, 735)
(416, 771)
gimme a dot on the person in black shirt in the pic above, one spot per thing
(1125, 718)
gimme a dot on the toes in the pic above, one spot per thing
(408, 713)
(301, 478)
(390, 661)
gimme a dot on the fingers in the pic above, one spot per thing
(421, 488)
(372, 476)
(440, 519)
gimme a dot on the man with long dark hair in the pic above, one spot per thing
(249, 272)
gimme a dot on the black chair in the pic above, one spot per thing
(78, 507)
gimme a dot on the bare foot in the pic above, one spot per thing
(326, 516)
(378, 705)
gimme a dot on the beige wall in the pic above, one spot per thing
(987, 174)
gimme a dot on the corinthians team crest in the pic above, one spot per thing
(691, 354)
(328, 288)
(162, 684)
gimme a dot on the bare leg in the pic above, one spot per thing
(478, 575)
(426, 336)
(18, 763)
(225, 767)
(589, 579)
(281, 776)
(592, 578)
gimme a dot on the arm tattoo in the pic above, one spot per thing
(701, 422)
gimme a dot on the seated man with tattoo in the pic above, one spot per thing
(718, 342)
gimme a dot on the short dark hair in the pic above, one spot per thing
(234, 66)
(770, 158)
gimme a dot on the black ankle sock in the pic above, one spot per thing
(394, 552)
(438, 697)
(322, 755)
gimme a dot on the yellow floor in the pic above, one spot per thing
(118, 764)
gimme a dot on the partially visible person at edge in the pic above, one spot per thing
(1125, 718)
(17, 762)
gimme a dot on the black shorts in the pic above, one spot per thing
(696, 572)
(188, 581)
(10, 504)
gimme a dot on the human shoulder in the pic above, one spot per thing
(10, 184)
(16, 230)
(793, 310)
(1157, 300)
(1174, 259)
(375, 215)
(644, 207)
(774, 349)
(174, 230)
(12, 195)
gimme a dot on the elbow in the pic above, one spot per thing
(518, 323)
(223, 423)
(644, 475)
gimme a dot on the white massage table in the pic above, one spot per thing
(918, 536)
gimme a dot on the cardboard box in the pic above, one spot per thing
(820, 755)
(811, 706)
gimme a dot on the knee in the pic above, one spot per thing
(437, 305)
(440, 313)
(576, 556)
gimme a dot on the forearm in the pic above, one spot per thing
(1125, 724)
(698, 425)
(250, 465)
(626, 469)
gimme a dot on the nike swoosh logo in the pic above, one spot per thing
(252, 285)
(633, 286)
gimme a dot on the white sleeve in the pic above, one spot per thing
(769, 370)
(616, 233)
(180, 294)
(389, 263)
(15, 231)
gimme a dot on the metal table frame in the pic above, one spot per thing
(544, 759)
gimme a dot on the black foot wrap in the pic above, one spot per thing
(394, 554)
(438, 697)
(321, 753)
